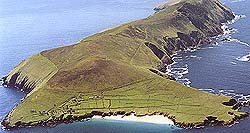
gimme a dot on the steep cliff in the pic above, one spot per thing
(123, 69)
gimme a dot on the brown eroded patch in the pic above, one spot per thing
(93, 75)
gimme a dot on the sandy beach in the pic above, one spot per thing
(155, 119)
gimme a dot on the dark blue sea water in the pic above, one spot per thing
(222, 67)
(30, 26)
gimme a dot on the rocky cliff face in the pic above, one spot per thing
(18, 77)
(125, 62)
(207, 18)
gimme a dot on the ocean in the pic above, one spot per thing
(28, 27)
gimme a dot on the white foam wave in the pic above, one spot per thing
(225, 29)
(208, 90)
(203, 48)
(228, 31)
(175, 62)
(234, 63)
(231, 93)
(193, 56)
(235, 1)
(175, 54)
(191, 50)
(237, 17)
(244, 58)
(179, 70)
(238, 41)
(184, 81)
(177, 58)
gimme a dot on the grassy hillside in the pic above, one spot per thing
(122, 69)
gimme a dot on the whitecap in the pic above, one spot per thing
(175, 54)
(244, 58)
(184, 81)
(235, 1)
(237, 17)
(175, 62)
(193, 49)
(208, 90)
(230, 92)
(238, 41)
(184, 72)
(204, 48)
(226, 30)
(221, 91)
(180, 68)
(234, 63)
(179, 73)
(177, 58)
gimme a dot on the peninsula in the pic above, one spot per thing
(122, 71)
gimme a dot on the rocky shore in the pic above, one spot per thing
(198, 17)
(210, 121)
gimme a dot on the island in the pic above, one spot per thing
(122, 71)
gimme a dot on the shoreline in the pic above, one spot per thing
(208, 41)
(153, 119)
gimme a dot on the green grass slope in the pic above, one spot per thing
(110, 71)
